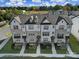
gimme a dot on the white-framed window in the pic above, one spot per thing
(31, 39)
(30, 27)
(15, 26)
(17, 36)
(18, 40)
(31, 34)
(46, 27)
(45, 33)
(61, 27)
(45, 39)
(60, 36)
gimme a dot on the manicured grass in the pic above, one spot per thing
(74, 44)
(30, 49)
(29, 58)
(46, 49)
(61, 51)
(36, 12)
(7, 48)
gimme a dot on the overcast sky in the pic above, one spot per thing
(4, 3)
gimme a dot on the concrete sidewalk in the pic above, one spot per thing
(38, 49)
(3, 43)
(23, 49)
(69, 49)
(33, 55)
(53, 49)
(38, 55)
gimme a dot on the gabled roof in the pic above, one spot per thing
(23, 18)
(53, 19)
(66, 18)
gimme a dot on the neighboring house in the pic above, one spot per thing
(41, 28)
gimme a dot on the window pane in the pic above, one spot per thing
(16, 35)
(60, 36)
(45, 33)
(31, 27)
(15, 27)
(46, 27)
(61, 27)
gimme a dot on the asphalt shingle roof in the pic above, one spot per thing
(53, 19)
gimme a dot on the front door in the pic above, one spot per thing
(24, 37)
(52, 38)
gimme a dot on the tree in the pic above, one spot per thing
(50, 8)
(57, 7)
(68, 7)
(1, 18)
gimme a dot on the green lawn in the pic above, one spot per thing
(36, 12)
(46, 49)
(7, 48)
(61, 51)
(30, 49)
(74, 44)
(29, 58)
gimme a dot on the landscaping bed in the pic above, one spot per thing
(46, 49)
(74, 44)
(30, 49)
(61, 50)
(8, 48)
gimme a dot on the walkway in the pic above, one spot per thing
(38, 49)
(3, 43)
(43, 55)
(34, 55)
(69, 49)
(23, 49)
(53, 49)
